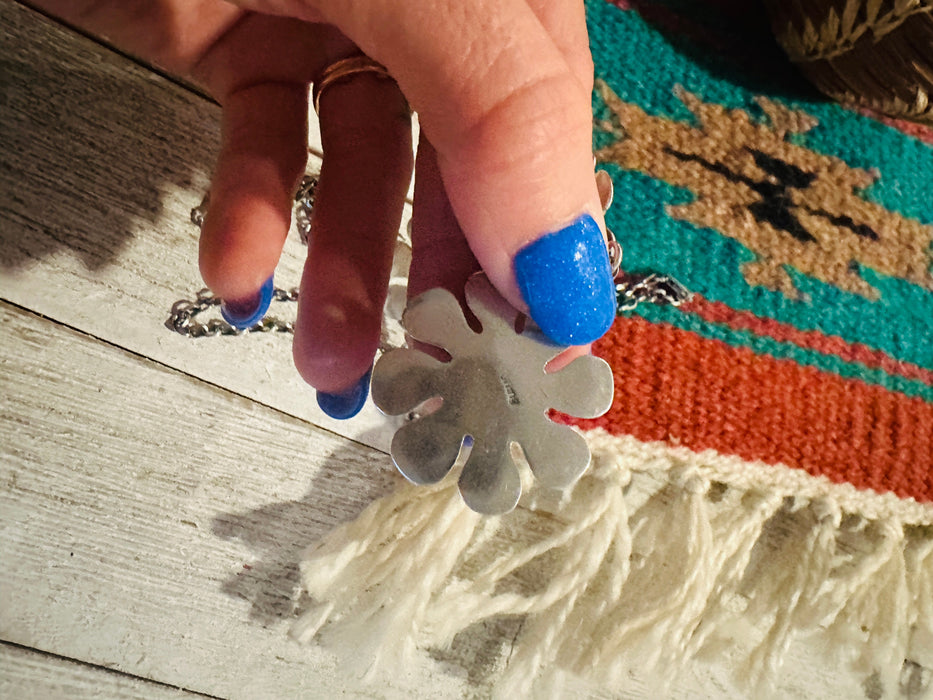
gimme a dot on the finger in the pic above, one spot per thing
(262, 156)
(366, 138)
(512, 129)
(565, 22)
(264, 97)
(440, 256)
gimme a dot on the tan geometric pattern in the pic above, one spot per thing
(788, 204)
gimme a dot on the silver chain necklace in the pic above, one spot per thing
(631, 289)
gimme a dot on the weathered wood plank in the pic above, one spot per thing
(152, 523)
(27, 673)
(101, 165)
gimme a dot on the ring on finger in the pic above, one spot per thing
(341, 70)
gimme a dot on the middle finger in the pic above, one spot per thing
(366, 139)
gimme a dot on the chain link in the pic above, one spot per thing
(631, 289)
(664, 290)
(200, 211)
(184, 312)
(304, 203)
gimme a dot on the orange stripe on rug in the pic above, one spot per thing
(915, 129)
(717, 312)
(677, 387)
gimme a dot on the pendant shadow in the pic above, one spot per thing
(278, 535)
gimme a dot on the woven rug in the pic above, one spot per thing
(766, 469)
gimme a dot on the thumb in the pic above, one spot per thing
(511, 124)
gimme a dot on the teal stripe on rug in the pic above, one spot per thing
(642, 64)
(785, 350)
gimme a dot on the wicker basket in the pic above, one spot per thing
(869, 53)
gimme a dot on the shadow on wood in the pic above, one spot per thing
(279, 533)
(90, 143)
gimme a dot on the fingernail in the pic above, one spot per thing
(347, 404)
(247, 313)
(566, 280)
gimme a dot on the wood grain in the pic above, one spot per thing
(32, 674)
(153, 523)
(102, 163)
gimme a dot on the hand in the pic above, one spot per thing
(504, 170)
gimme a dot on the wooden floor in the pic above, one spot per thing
(156, 492)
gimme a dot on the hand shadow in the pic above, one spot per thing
(91, 143)
(279, 534)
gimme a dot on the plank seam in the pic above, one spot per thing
(11, 304)
(108, 669)
(136, 60)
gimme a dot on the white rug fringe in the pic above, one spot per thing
(658, 557)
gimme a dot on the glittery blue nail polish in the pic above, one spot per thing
(243, 315)
(347, 404)
(566, 280)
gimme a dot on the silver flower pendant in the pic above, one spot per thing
(494, 390)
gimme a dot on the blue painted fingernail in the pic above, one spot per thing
(566, 280)
(246, 314)
(347, 404)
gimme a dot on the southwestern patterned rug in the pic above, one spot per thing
(766, 469)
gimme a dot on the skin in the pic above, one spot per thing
(502, 89)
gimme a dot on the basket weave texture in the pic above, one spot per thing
(868, 53)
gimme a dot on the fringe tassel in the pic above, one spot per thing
(377, 574)
(658, 557)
